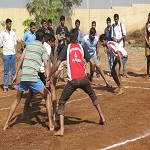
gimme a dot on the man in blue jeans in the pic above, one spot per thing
(9, 44)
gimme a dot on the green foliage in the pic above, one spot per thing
(46, 9)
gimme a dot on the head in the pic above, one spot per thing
(43, 23)
(73, 35)
(62, 20)
(108, 21)
(103, 39)
(92, 34)
(40, 35)
(93, 24)
(49, 23)
(32, 27)
(116, 18)
(67, 38)
(8, 24)
(149, 17)
(77, 23)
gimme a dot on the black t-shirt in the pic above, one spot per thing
(50, 31)
(63, 54)
(61, 31)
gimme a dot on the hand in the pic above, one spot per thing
(14, 79)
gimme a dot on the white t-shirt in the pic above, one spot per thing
(118, 31)
(48, 48)
(113, 47)
(8, 41)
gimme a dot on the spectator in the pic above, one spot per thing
(61, 30)
(80, 33)
(147, 46)
(9, 44)
(118, 34)
(107, 31)
(29, 36)
(49, 27)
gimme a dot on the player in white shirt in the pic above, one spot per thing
(120, 59)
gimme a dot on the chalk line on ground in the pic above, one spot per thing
(127, 141)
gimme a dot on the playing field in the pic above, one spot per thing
(127, 116)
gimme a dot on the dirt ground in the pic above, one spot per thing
(127, 116)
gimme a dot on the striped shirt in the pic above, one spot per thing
(35, 54)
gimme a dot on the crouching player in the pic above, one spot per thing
(121, 57)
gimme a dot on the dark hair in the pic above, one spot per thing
(73, 35)
(116, 16)
(40, 34)
(92, 31)
(43, 21)
(94, 22)
(49, 37)
(77, 21)
(108, 19)
(32, 24)
(62, 18)
(49, 21)
(149, 14)
(103, 37)
(8, 20)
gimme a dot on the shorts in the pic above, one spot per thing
(62, 65)
(34, 86)
(124, 60)
(95, 59)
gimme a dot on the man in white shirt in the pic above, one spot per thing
(120, 59)
(118, 34)
(9, 44)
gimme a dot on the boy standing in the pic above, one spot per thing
(120, 60)
(9, 44)
(29, 36)
(31, 61)
(75, 54)
(107, 31)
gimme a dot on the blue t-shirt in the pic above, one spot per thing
(91, 46)
(29, 37)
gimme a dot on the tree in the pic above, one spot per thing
(46, 9)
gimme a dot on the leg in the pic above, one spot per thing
(148, 65)
(46, 94)
(86, 87)
(117, 78)
(54, 100)
(67, 92)
(6, 61)
(13, 108)
(27, 103)
(13, 67)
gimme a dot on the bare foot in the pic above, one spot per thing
(102, 120)
(120, 91)
(116, 90)
(59, 133)
(51, 128)
(5, 127)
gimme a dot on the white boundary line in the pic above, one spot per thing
(127, 141)
(45, 108)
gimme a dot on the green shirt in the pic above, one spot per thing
(35, 54)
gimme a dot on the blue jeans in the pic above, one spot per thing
(9, 64)
(110, 59)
